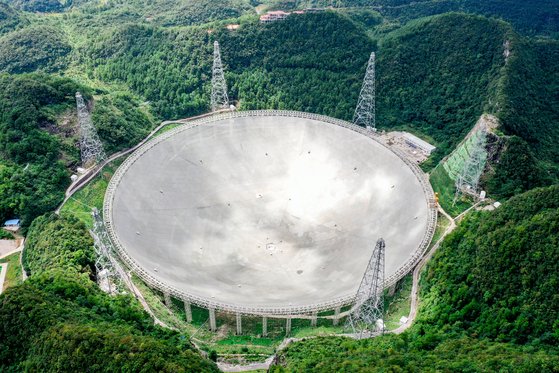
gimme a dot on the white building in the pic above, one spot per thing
(276, 15)
(416, 142)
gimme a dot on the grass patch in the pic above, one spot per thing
(91, 195)
(445, 187)
(398, 304)
(157, 305)
(442, 225)
(320, 330)
(14, 274)
(167, 128)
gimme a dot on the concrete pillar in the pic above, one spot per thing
(337, 311)
(213, 326)
(239, 324)
(288, 326)
(168, 301)
(392, 290)
(314, 319)
(188, 311)
(264, 326)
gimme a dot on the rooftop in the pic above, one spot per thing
(419, 142)
(11, 222)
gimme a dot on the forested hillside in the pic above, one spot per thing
(60, 321)
(433, 85)
(531, 110)
(315, 63)
(38, 139)
(43, 6)
(435, 77)
(530, 17)
(33, 160)
(169, 68)
(408, 353)
(34, 48)
(438, 75)
(493, 280)
(496, 276)
(9, 18)
(311, 62)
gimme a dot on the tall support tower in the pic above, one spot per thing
(109, 273)
(220, 100)
(366, 315)
(365, 111)
(91, 147)
(467, 181)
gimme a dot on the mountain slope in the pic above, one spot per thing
(496, 275)
(531, 108)
(438, 75)
(527, 17)
(43, 6)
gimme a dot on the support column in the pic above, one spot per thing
(314, 319)
(213, 326)
(264, 326)
(168, 301)
(288, 326)
(392, 290)
(188, 311)
(337, 311)
(239, 324)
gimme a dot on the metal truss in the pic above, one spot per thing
(467, 181)
(109, 278)
(367, 313)
(271, 310)
(91, 147)
(365, 112)
(219, 100)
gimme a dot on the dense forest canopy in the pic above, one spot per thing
(169, 68)
(43, 6)
(9, 18)
(166, 12)
(440, 86)
(496, 276)
(529, 17)
(531, 110)
(34, 48)
(405, 353)
(67, 245)
(32, 171)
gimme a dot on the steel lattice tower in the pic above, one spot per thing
(91, 147)
(108, 276)
(220, 100)
(467, 181)
(365, 111)
(368, 308)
